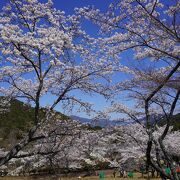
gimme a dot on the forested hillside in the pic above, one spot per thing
(16, 121)
(175, 122)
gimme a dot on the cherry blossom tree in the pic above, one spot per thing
(137, 137)
(160, 108)
(150, 31)
(44, 52)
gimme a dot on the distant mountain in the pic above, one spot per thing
(105, 122)
(81, 119)
(99, 122)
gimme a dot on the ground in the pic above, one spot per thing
(108, 177)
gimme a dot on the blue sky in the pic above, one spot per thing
(68, 6)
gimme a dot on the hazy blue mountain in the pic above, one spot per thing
(100, 122)
(105, 122)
